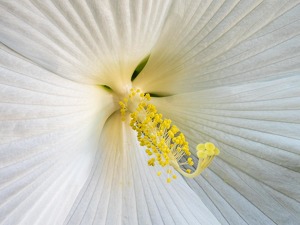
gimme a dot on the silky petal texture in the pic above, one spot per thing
(121, 180)
(49, 134)
(234, 69)
(216, 43)
(256, 126)
(237, 62)
(53, 55)
(94, 42)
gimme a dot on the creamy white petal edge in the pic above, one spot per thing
(123, 189)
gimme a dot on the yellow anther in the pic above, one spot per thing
(191, 163)
(148, 152)
(163, 140)
(151, 162)
(174, 176)
(158, 173)
(147, 96)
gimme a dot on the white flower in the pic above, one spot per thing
(229, 72)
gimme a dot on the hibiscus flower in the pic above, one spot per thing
(223, 72)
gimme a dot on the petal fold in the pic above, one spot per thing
(90, 42)
(123, 189)
(49, 134)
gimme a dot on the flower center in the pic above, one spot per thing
(165, 143)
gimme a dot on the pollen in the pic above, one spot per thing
(165, 144)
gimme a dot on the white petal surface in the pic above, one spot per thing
(235, 65)
(216, 43)
(256, 126)
(50, 119)
(95, 42)
(49, 134)
(123, 189)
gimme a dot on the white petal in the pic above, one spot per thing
(255, 180)
(123, 189)
(217, 43)
(96, 42)
(49, 134)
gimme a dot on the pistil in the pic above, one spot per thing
(165, 143)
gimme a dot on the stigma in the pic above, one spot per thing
(165, 144)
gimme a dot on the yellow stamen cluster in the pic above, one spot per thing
(164, 142)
